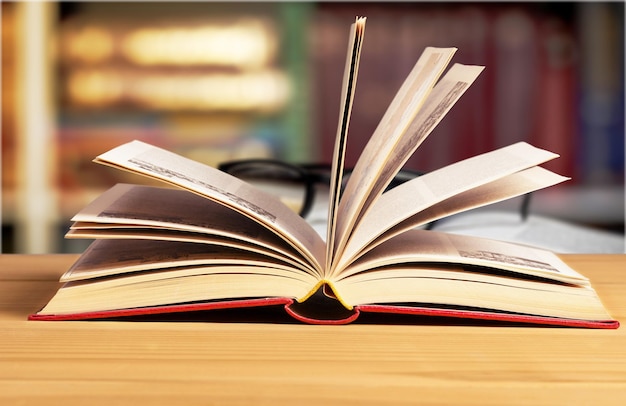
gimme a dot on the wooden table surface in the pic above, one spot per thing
(110, 363)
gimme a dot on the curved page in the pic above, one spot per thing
(123, 232)
(134, 211)
(111, 257)
(455, 288)
(424, 192)
(141, 158)
(517, 184)
(422, 247)
(183, 286)
(397, 137)
(347, 96)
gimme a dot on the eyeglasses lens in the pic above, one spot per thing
(282, 181)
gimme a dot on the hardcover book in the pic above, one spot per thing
(208, 240)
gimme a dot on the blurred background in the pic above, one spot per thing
(220, 81)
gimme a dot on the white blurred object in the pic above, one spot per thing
(536, 230)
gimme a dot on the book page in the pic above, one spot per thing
(129, 232)
(465, 290)
(221, 285)
(517, 184)
(427, 246)
(107, 257)
(393, 143)
(176, 214)
(156, 163)
(404, 202)
(176, 284)
(347, 96)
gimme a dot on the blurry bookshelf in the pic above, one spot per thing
(212, 81)
(221, 81)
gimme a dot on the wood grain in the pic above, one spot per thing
(235, 363)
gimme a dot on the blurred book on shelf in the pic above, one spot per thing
(601, 152)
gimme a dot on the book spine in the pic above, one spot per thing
(556, 96)
(601, 32)
(515, 73)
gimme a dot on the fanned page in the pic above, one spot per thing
(170, 273)
(395, 140)
(487, 178)
(108, 257)
(351, 69)
(141, 158)
(415, 247)
(472, 274)
(179, 215)
(457, 292)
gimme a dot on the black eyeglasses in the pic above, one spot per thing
(295, 184)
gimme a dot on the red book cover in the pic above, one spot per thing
(337, 315)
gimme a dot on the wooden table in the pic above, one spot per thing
(93, 363)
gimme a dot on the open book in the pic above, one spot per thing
(214, 241)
